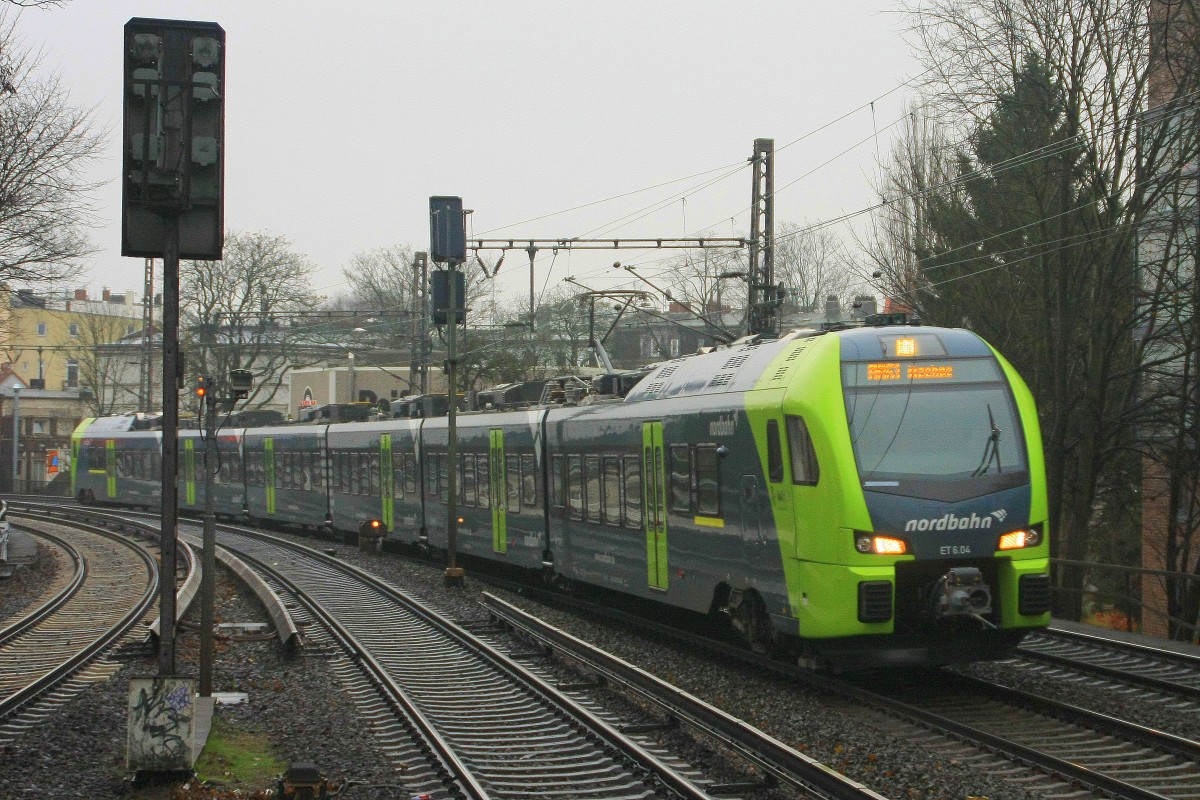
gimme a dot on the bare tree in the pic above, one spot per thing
(247, 312)
(812, 264)
(45, 145)
(101, 367)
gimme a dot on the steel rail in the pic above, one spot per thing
(453, 767)
(18, 699)
(766, 752)
(898, 708)
(52, 604)
(668, 777)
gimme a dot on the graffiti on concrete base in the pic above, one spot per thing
(161, 719)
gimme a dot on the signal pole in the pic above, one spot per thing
(448, 245)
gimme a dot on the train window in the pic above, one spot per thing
(592, 465)
(529, 482)
(410, 473)
(353, 475)
(491, 487)
(431, 484)
(575, 486)
(443, 468)
(681, 478)
(774, 452)
(304, 474)
(275, 467)
(805, 470)
(397, 473)
(558, 493)
(512, 477)
(375, 468)
(466, 479)
(483, 484)
(252, 468)
(708, 481)
(482, 481)
(318, 470)
(633, 492)
(611, 495)
(365, 474)
(287, 464)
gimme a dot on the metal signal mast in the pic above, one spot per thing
(762, 315)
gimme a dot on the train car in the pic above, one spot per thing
(113, 463)
(374, 473)
(229, 488)
(501, 503)
(286, 475)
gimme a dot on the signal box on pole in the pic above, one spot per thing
(173, 126)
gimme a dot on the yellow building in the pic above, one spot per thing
(51, 341)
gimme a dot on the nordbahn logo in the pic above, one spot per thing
(951, 522)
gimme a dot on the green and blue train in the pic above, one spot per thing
(862, 496)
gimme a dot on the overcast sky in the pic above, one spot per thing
(343, 118)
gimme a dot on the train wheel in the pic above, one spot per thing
(748, 616)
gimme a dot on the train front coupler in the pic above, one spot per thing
(961, 592)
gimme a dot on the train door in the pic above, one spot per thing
(269, 472)
(498, 483)
(752, 499)
(189, 471)
(386, 479)
(654, 490)
(110, 466)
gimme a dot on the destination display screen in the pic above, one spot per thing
(920, 371)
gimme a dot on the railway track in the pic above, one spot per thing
(55, 649)
(1106, 754)
(1158, 669)
(489, 726)
(775, 760)
(1023, 738)
(1014, 733)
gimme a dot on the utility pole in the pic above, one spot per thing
(762, 312)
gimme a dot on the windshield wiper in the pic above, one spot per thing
(991, 449)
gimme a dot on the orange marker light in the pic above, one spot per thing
(887, 546)
(1014, 540)
(906, 347)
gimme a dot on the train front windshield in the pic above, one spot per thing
(944, 429)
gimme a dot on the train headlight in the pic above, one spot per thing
(880, 545)
(1019, 539)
